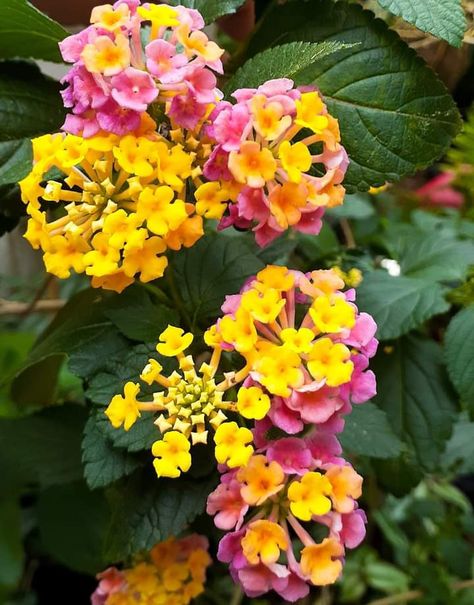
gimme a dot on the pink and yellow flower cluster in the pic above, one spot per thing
(132, 57)
(269, 162)
(277, 151)
(173, 573)
(304, 350)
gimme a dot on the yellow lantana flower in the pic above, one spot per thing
(124, 410)
(252, 403)
(171, 455)
(295, 159)
(329, 361)
(262, 480)
(106, 56)
(173, 341)
(321, 563)
(263, 542)
(308, 109)
(332, 315)
(308, 497)
(232, 444)
(252, 165)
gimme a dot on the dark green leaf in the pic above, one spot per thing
(119, 369)
(103, 463)
(414, 392)
(72, 524)
(285, 61)
(459, 347)
(30, 105)
(214, 267)
(26, 32)
(211, 9)
(139, 317)
(11, 207)
(140, 437)
(399, 304)
(367, 432)
(11, 548)
(400, 475)
(460, 448)
(395, 115)
(16, 158)
(314, 247)
(148, 510)
(44, 448)
(442, 18)
(79, 332)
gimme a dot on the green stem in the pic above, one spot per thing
(157, 292)
(237, 596)
(177, 298)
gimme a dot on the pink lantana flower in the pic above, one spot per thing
(134, 89)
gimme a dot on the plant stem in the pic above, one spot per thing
(177, 298)
(8, 307)
(348, 235)
(237, 596)
(416, 594)
(160, 295)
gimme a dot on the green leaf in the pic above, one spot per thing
(148, 510)
(431, 256)
(26, 32)
(414, 391)
(14, 347)
(103, 463)
(139, 317)
(44, 448)
(443, 18)
(72, 524)
(317, 247)
(395, 115)
(11, 207)
(355, 206)
(460, 448)
(216, 266)
(459, 346)
(399, 304)
(367, 432)
(11, 548)
(15, 158)
(285, 61)
(30, 105)
(121, 368)
(398, 476)
(81, 333)
(140, 437)
(211, 9)
(386, 577)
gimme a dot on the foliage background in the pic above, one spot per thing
(76, 495)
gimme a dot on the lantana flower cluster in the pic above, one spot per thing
(280, 150)
(133, 56)
(286, 497)
(186, 404)
(151, 149)
(110, 206)
(173, 573)
(292, 510)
